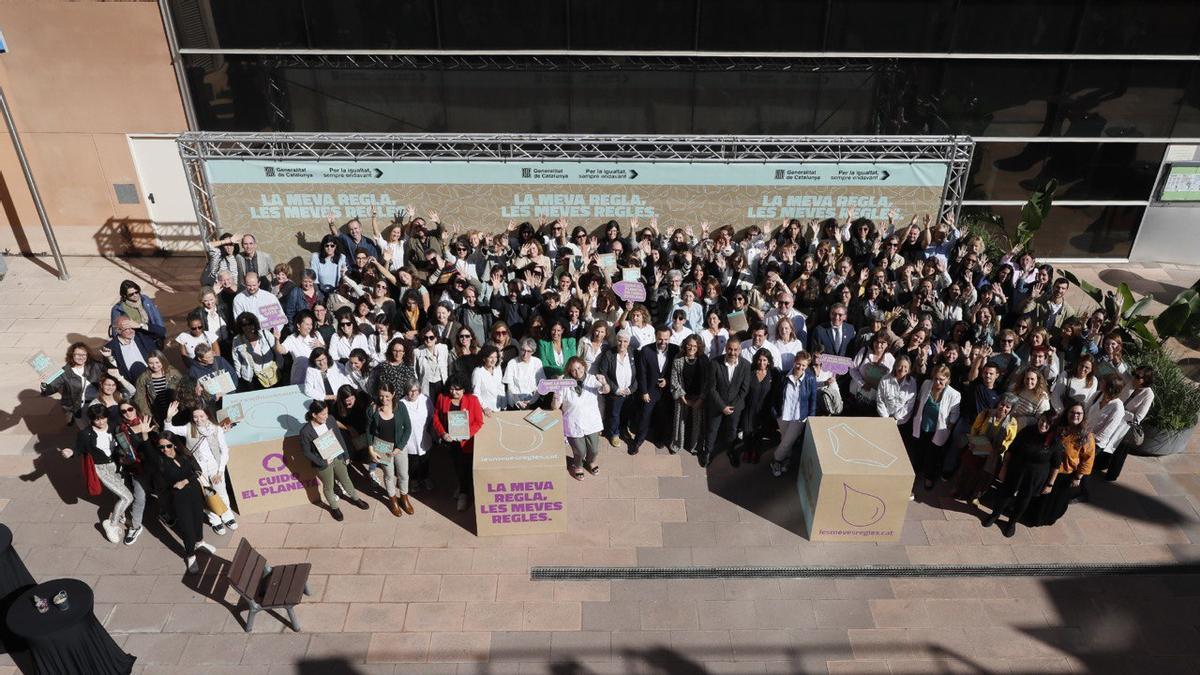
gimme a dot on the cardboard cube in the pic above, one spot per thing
(854, 479)
(520, 474)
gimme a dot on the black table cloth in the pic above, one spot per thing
(67, 641)
(13, 575)
(14, 578)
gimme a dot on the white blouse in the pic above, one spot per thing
(300, 348)
(639, 336)
(1069, 389)
(340, 346)
(488, 387)
(714, 343)
(581, 411)
(521, 379)
(420, 412)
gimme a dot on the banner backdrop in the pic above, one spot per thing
(277, 199)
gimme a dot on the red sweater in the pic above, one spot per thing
(474, 411)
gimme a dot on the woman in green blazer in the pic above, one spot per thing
(556, 351)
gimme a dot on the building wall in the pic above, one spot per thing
(79, 77)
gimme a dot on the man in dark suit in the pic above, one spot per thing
(653, 378)
(833, 338)
(730, 383)
(129, 349)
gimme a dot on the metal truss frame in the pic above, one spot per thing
(196, 148)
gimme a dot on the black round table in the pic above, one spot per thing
(13, 575)
(66, 641)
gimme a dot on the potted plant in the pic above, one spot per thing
(1176, 408)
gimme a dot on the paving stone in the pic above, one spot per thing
(265, 650)
(459, 646)
(398, 647)
(434, 616)
(493, 616)
(371, 617)
(552, 616)
(138, 618)
(411, 588)
(214, 650)
(354, 588)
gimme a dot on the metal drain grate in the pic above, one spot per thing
(852, 571)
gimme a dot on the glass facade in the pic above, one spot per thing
(1073, 119)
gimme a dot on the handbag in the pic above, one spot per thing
(90, 479)
(1135, 436)
(214, 503)
(268, 375)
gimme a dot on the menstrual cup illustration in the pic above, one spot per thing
(861, 509)
(850, 446)
(518, 439)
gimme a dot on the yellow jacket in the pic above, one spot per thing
(1000, 432)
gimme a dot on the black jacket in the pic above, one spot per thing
(724, 391)
(606, 365)
(308, 434)
(648, 373)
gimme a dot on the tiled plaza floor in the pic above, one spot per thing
(422, 594)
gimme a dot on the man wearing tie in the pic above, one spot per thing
(834, 338)
(730, 384)
(653, 373)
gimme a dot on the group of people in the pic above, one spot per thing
(406, 339)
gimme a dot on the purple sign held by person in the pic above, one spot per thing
(838, 365)
(555, 385)
(630, 291)
(272, 316)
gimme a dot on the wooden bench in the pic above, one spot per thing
(266, 587)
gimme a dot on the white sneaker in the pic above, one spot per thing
(232, 525)
(219, 529)
(192, 567)
(462, 502)
(205, 546)
(111, 532)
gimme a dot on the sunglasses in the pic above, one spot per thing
(500, 332)
(130, 294)
(346, 323)
(331, 245)
(464, 337)
(166, 446)
(195, 327)
(430, 338)
(128, 410)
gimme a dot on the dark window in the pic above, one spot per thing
(237, 24)
(762, 25)
(373, 101)
(1016, 26)
(1076, 231)
(489, 101)
(370, 24)
(1188, 123)
(995, 98)
(1085, 171)
(231, 94)
(1138, 98)
(890, 25)
(755, 103)
(503, 24)
(631, 102)
(1140, 27)
(622, 25)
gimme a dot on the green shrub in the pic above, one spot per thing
(1176, 398)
